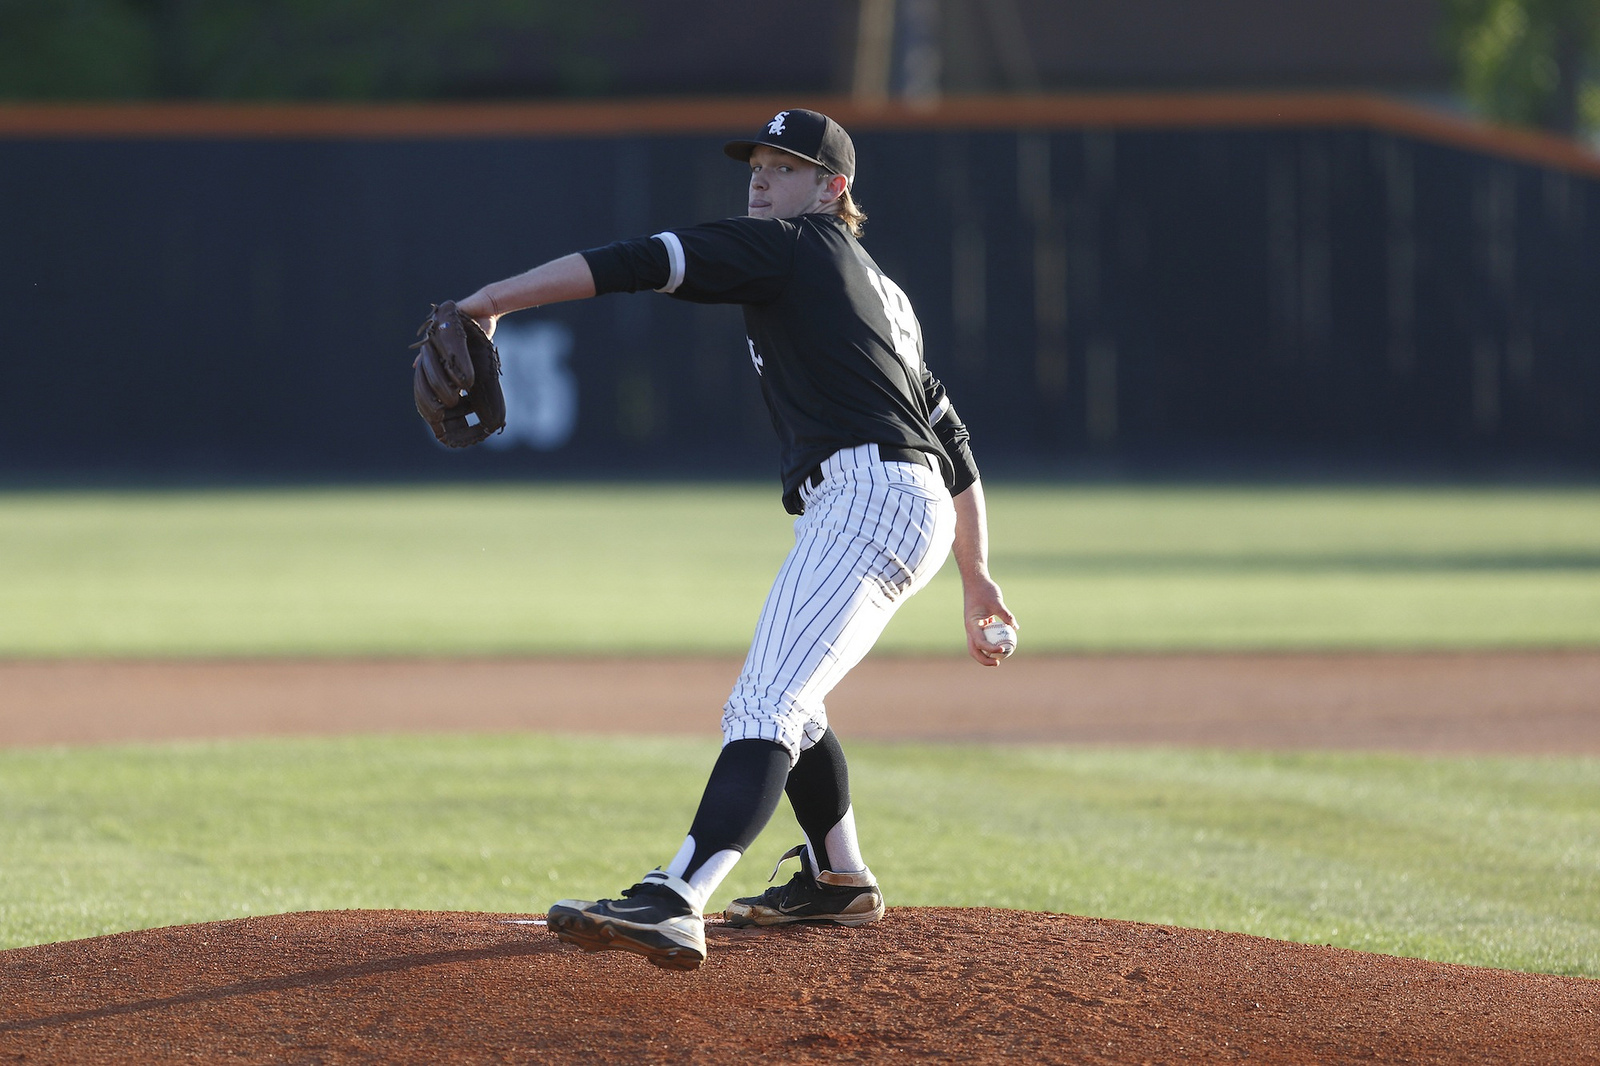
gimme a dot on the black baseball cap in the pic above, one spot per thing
(810, 135)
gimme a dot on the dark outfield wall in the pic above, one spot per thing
(220, 307)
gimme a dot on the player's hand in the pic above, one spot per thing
(982, 601)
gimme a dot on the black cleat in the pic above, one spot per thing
(829, 898)
(649, 920)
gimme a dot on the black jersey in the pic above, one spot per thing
(834, 340)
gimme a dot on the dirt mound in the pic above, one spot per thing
(973, 986)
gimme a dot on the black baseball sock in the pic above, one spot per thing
(819, 791)
(740, 798)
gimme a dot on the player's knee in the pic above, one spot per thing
(758, 722)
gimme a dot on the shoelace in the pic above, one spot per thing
(649, 890)
(797, 850)
(643, 888)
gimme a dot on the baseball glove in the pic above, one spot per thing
(457, 379)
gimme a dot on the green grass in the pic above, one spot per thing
(1490, 861)
(627, 569)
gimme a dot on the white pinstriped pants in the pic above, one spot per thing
(873, 533)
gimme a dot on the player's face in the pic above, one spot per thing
(784, 185)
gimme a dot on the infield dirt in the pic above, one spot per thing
(1442, 702)
(926, 984)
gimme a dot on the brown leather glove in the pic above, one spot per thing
(457, 378)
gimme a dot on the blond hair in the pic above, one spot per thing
(850, 211)
(845, 206)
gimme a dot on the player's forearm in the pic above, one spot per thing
(559, 280)
(981, 600)
(971, 548)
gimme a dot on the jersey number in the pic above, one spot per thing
(903, 324)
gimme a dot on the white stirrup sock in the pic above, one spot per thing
(844, 851)
(697, 888)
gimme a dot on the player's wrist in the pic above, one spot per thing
(976, 584)
(477, 306)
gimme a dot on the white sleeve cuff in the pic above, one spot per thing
(675, 261)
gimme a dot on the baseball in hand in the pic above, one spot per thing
(997, 632)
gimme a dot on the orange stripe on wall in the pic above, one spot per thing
(736, 116)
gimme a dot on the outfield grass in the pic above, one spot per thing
(625, 569)
(1490, 861)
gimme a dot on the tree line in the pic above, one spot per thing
(1532, 62)
(295, 49)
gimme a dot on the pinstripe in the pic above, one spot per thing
(774, 630)
(872, 534)
(804, 654)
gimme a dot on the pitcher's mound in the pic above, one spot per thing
(956, 985)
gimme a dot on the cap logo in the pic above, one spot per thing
(775, 127)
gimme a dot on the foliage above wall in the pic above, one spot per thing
(290, 49)
(1532, 62)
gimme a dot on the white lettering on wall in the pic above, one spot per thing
(541, 390)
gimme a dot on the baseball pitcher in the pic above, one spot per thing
(879, 471)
